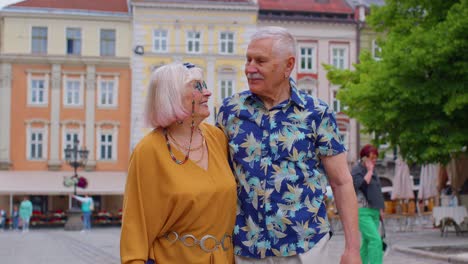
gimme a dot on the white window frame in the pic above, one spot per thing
(31, 79)
(313, 58)
(66, 81)
(375, 49)
(345, 57)
(30, 131)
(224, 43)
(309, 86)
(160, 39)
(101, 43)
(77, 131)
(79, 40)
(194, 41)
(115, 94)
(45, 49)
(336, 104)
(221, 86)
(344, 138)
(113, 132)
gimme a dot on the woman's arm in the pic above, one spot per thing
(79, 198)
(142, 216)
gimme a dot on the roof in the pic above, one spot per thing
(313, 6)
(119, 6)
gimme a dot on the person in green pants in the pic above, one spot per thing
(371, 205)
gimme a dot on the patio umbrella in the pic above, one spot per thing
(428, 181)
(458, 171)
(402, 183)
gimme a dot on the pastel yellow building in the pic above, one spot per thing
(211, 34)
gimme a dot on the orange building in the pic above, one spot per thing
(64, 76)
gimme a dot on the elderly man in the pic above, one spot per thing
(283, 145)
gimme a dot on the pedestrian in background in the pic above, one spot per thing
(371, 205)
(87, 206)
(15, 218)
(284, 145)
(3, 220)
(25, 213)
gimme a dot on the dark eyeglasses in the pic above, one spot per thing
(199, 85)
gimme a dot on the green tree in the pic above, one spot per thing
(416, 96)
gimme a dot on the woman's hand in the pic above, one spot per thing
(369, 165)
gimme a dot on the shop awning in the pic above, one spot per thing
(51, 182)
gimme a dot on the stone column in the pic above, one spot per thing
(90, 106)
(5, 115)
(54, 162)
(211, 40)
(179, 48)
(210, 81)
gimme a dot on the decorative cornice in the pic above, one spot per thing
(226, 69)
(35, 71)
(112, 74)
(73, 72)
(200, 5)
(68, 60)
(201, 55)
(107, 122)
(72, 122)
(37, 120)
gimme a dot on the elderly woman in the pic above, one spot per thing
(180, 196)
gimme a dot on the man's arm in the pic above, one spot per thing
(341, 183)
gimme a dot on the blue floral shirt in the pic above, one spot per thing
(275, 156)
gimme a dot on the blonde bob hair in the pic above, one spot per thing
(164, 102)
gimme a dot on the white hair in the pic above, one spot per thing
(164, 104)
(284, 43)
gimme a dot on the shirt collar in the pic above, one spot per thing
(296, 97)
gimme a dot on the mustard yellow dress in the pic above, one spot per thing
(162, 197)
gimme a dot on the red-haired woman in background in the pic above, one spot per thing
(371, 204)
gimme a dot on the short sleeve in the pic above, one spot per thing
(328, 141)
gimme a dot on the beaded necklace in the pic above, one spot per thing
(173, 140)
(192, 128)
(201, 156)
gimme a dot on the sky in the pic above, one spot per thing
(7, 2)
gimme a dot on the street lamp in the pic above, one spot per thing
(76, 158)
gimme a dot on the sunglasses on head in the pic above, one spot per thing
(199, 85)
(189, 65)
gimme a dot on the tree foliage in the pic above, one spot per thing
(416, 96)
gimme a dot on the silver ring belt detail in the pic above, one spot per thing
(190, 241)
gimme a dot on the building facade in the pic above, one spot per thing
(64, 76)
(210, 34)
(367, 38)
(326, 33)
